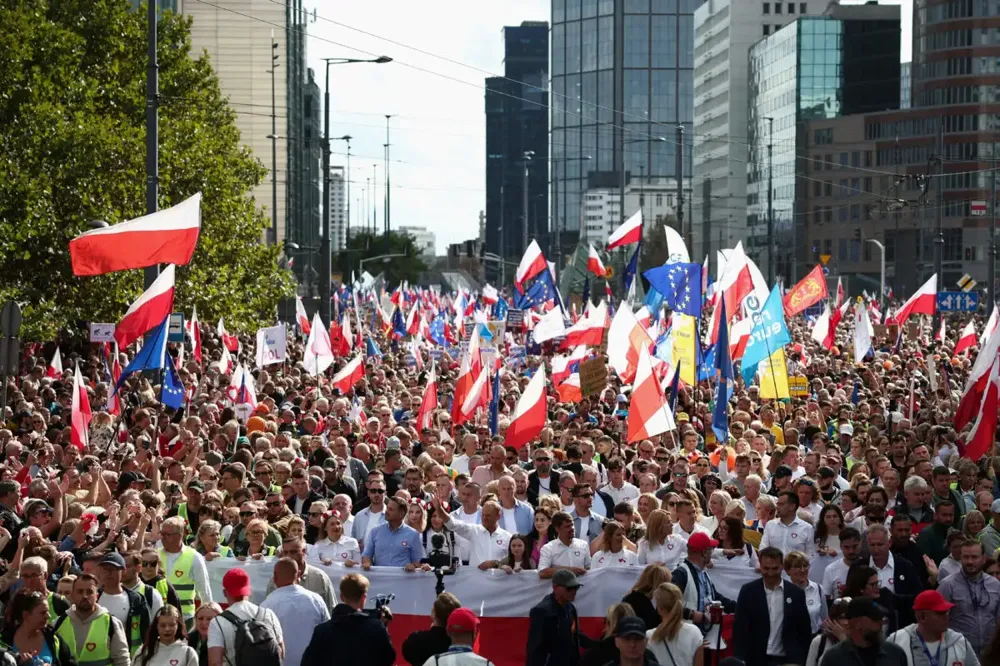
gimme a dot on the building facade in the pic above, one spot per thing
(424, 240)
(724, 31)
(814, 68)
(516, 124)
(657, 197)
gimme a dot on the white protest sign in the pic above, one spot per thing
(102, 332)
(271, 345)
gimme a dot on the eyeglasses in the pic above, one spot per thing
(315, 513)
(376, 491)
(151, 563)
(680, 475)
(273, 503)
(586, 496)
(256, 533)
(543, 459)
(248, 513)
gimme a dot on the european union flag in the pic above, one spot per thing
(654, 301)
(495, 404)
(371, 349)
(675, 388)
(537, 291)
(680, 284)
(632, 266)
(172, 390)
(720, 417)
(150, 357)
(398, 325)
(437, 330)
(706, 370)
(500, 310)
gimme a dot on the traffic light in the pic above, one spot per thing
(857, 234)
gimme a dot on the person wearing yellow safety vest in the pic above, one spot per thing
(189, 510)
(127, 606)
(28, 632)
(94, 636)
(34, 572)
(256, 532)
(207, 541)
(184, 567)
(151, 576)
(131, 581)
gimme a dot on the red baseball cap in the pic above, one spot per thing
(463, 621)
(701, 541)
(931, 600)
(237, 583)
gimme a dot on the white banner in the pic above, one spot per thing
(271, 345)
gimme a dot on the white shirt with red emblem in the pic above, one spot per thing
(670, 553)
(485, 546)
(885, 574)
(602, 559)
(796, 535)
(345, 548)
(557, 554)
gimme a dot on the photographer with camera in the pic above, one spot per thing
(423, 645)
(462, 628)
(359, 637)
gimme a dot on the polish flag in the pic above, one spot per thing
(991, 325)
(629, 232)
(532, 263)
(230, 342)
(429, 402)
(941, 332)
(193, 329)
(626, 337)
(967, 339)
(419, 358)
(922, 302)
(840, 292)
(226, 363)
(982, 437)
(155, 305)
(569, 390)
(165, 237)
(468, 373)
(821, 327)
(594, 263)
(476, 396)
(338, 341)
(975, 386)
(301, 318)
(649, 413)
(55, 367)
(80, 414)
(490, 295)
(735, 284)
(561, 364)
(318, 354)
(874, 312)
(590, 329)
(530, 414)
(349, 375)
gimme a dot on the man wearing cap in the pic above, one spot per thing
(930, 641)
(462, 626)
(554, 637)
(630, 644)
(865, 643)
(772, 621)
(694, 583)
(335, 481)
(781, 480)
(789, 532)
(125, 605)
(828, 490)
(189, 510)
(222, 630)
(990, 535)
(976, 597)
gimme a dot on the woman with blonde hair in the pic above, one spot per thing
(674, 642)
(717, 503)
(612, 551)
(640, 597)
(645, 505)
(661, 545)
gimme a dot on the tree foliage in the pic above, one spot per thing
(72, 149)
(365, 246)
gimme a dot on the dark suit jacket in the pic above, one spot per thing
(554, 637)
(753, 624)
(312, 497)
(533, 485)
(907, 584)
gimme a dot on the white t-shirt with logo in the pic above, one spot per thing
(603, 559)
(557, 554)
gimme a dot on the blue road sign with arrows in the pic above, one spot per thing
(957, 301)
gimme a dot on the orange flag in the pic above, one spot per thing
(809, 291)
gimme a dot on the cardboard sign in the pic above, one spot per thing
(893, 332)
(798, 386)
(436, 353)
(593, 376)
(881, 331)
(912, 330)
(102, 332)
(518, 355)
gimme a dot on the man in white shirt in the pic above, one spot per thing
(222, 632)
(469, 512)
(115, 598)
(565, 551)
(789, 532)
(619, 489)
(372, 515)
(835, 574)
(488, 542)
(686, 524)
(751, 491)
(298, 610)
(460, 463)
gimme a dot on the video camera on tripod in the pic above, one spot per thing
(381, 611)
(441, 561)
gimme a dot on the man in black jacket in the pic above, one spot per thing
(422, 645)
(772, 622)
(554, 637)
(543, 480)
(303, 495)
(351, 636)
(691, 572)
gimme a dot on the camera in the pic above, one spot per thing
(441, 561)
(381, 611)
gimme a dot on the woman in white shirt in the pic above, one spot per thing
(797, 568)
(164, 644)
(674, 642)
(336, 547)
(717, 503)
(614, 553)
(732, 547)
(661, 545)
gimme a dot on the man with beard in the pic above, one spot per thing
(90, 631)
(865, 643)
(976, 597)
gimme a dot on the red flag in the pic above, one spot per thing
(338, 343)
(569, 390)
(810, 290)
(922, 302)
(530, 414)
(967, 339)
(155, 304)
(301, 318)
(983, 434)
(429, 402)
(194, 332)
(80, 414)
(165, 237)
(595, 265)
(55, 367)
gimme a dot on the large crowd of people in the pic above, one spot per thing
(869, 538)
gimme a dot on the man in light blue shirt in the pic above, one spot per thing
(393, 544)
(299, 611)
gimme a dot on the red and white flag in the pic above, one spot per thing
(975, 386)
(230, 342)
(241, 389)
(80, 414)
(318, 354)
(628, 233)
(735, 284)
(594, 263)
(349, 375)
(967, 339)
(165, 237)
(301, 318)
(649, 413)
(193, 327)
(840, 292)
(991, 325)
(429, 402)
(569, 390)
(490, 295)
(982, 437)
(530, 414)
(626, 337)
(922, 302)
(590, 329)
(942, 332)
(155, 305)
(468, 373)
(55, 366)
(226, 363)
(532, 263)
(477, 395)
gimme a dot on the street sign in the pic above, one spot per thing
(977, 208)
(957, 301)
(102, 332)
(966, 283)
(825, 258)
(175, 328)
(814, 310)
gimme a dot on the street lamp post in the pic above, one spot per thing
(274, 144)
(325, 291)
(881, 249)
(528, 155)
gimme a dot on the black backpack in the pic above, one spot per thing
(255, 641)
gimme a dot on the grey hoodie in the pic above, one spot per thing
(955, 648)
(119, 643)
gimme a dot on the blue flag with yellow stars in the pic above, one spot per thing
(680, 284)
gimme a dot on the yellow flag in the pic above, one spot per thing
(774, 376)
(685, 332)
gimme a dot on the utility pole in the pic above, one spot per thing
(991, 272)
(770, 203)
(503, 250)
(274, 144)
(939, 237)
(388, 222)
(374, 201)
(528, 154)
(150, 273)
(680, 179)
(324, 258)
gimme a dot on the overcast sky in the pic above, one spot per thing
(438, 126)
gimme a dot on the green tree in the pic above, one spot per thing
(72, 149)
(364, 246)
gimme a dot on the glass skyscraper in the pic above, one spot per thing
(622, 73)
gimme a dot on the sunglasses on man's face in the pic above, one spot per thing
(151, 563)
(244, 514)
(376, 491)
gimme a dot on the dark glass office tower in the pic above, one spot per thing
(516, 122)
(617, 64)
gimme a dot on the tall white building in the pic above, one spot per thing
(424, 240)
(338, 209)
(240, 52)
(724, 30)
(601, 211)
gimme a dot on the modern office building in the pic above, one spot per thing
(724, 31)
(424, 240)
(622, 80)
(516, 124)
(816, 67)
(905, 84)
(338, 209)
(657, 197)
